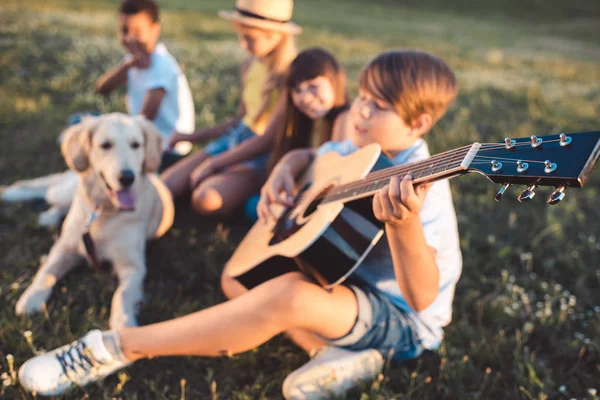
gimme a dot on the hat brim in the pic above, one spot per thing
(287, 27)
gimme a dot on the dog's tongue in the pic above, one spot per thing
(126, 199)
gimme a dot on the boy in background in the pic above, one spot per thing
(156, 87)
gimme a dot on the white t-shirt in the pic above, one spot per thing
(438, 219)
(176, 111)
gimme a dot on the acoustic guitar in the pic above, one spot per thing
(328, 248)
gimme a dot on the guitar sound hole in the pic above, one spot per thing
(312, 207)
(285, 226)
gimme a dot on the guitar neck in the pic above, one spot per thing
(441, 166)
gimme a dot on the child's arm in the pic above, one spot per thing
(118, 76)
(205, 134)
(257, 145)
(114, 78)
(398, 205)
(279, 188)
(152, 101)
(247, 150)
(217, 130)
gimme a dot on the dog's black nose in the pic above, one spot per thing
(127, 177)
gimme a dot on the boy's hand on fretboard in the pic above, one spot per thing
(399, 201)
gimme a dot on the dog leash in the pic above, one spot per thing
(88, 242)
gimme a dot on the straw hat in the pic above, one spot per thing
(267, 14)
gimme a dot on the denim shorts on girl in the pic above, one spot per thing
(380, 325)
(233, 137)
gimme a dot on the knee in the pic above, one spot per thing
(287, 295)
(174, 183)
(206, 200)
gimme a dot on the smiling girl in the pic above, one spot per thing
(316, 109)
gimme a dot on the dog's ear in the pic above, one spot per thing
(153, 140)
(76, 144)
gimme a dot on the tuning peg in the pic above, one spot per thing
(527, 194)
(557, 195)
(496, 166)
(549, 167)
(509, 143)
(522, 166)
(564, 140)
(535, 141)
(501, 191)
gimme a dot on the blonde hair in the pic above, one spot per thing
(412, 82)
(277, 62)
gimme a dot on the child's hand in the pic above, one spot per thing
(279, 188)
(203, 171)
(177, 137)
(399, 202)
(140, 59)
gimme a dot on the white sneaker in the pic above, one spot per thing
(331, 373)
(79, 363)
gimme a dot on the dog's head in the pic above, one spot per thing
(116, 147)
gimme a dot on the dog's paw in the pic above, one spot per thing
(32, 301)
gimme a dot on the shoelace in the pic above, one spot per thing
(76, 355)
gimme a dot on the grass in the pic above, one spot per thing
(527, 308)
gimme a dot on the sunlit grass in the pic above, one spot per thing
(527, 309)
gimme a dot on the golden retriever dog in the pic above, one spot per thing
(119, 204)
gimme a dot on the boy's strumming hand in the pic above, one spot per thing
(279, 188)
(399, 202)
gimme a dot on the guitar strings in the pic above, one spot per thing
(500, 146)
(361, 184)
(380, 176)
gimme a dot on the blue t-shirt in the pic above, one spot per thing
(441, 233)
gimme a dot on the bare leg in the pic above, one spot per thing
(222, 193)
(241, 324)
(304, 339)
(177, 177)
(61, 260)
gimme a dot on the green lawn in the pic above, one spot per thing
(527, 308)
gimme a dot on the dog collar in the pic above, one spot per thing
(88, 242)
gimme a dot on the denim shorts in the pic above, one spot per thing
(380, 325)
(233, 137)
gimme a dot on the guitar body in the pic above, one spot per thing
(322, 242)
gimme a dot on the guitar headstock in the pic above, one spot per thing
(562, 161)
